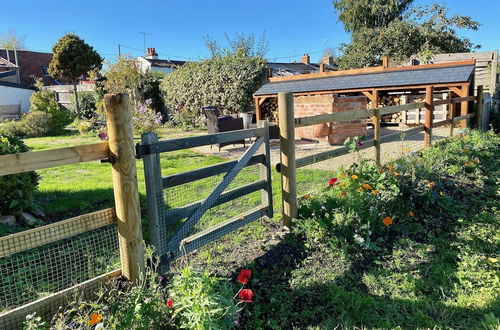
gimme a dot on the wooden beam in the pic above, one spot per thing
(456, 90)
(371, 70)
(367, 94)
(36, 237)
(376, 126)
(36, 160)
(124, 173)
(429, 114)
(464, 106)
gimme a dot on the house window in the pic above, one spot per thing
(45, 70)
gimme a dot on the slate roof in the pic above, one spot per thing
(403, 77)
(165, 63)
(290, 69)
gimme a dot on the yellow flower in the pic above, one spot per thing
(411, 214)
(492, 260)
(381, 171)
(374, 191)
(468, 164)
(395, 173)
(431, 185)
(360, 189)
(406, 149)
(367, 186)
(95, 318)
(387, 221)
(441, 193)
(306, 196)
(341, 176)
(354, 177)
(342, 184)
(390, 168)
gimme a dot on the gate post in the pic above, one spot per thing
(124, 172)
(265, 170)
(287, 157)
(429, 114)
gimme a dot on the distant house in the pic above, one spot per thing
(30, 64)
(151, 62)
(9, 72)
(303, 67)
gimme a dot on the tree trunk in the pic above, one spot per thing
(77, 108)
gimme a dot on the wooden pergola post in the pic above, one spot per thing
(464, 106)
(479, 108)
(124, 173)
(258, 115)
(287, 157)
(376, 126)
(429, 114)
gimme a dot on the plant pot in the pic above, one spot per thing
(247, 119)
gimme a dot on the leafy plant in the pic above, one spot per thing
(16, 190)
(87, 105)
(34, 124)
(145, 119)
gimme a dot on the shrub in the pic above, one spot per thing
(84, 126)
(44, 100)
(224, 81)
(10, 128)
(149, 89)
(34, 124)
(16, 190)
(86, 105)
(145, 119)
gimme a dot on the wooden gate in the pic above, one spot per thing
(168, 233)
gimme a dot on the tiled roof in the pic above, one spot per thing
(31, 64)
(403, 77)
(6, 64)
(165, 63)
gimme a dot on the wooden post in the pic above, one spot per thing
(287, 157)
(376, 126)
(385, 62)
(479, 107)
(124, 172)
(464, 106)
(429, 114)
(451, 113)
(258, 115)
(265, 169)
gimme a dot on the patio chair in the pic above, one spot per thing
(217, 124)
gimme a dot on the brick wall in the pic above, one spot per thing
(334, 132)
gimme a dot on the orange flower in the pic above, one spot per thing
(367, 186)
(468, 164)
(390, 168)
(431, 185)
(341, 176)
(306, 196)
(411, 214)
(354, 177)
(374, 191)
(387, 221)
(465, 151)
(343, 194)
(95, 318)
(360, 189)
(395, 173)
(381, 171)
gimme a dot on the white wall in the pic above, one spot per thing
(14, 95)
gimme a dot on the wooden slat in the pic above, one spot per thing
(454, 100)
(171, 216)
(330, 117)
(197, 141)
(30, 161)
(468, 116)
(441, 123)
(398, 108)
(185, 177)
(48, 306)
(36, 237)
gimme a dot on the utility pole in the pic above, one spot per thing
(119, 51)
(144, 36)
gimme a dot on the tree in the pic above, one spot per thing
(239, 45)
(10, 40)
(73, 58)
(421, 32)
(359, 14)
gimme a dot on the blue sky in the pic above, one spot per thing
(176, 28)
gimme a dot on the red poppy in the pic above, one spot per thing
(332, 182)
(246, 295)
(170, 303)
(244, 276)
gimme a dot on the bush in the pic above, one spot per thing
(16, 190)
(227, 82)
(149, 89)
(44, 100)
(10, 128)
(87, 108)
(34, 124)
(84, 126)
(145, 119)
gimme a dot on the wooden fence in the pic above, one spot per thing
(288, 123)
(120, 153)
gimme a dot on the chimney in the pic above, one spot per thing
(322, 67)
(385, 61)
(151, 54)
(306, 59)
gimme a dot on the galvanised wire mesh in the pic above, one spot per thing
(313, 178)
(28, 275)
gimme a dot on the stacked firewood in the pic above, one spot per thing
(387, 101)
(269, 109)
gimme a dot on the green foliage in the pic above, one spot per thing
(122, 76)
(84, 126)
(44, 100)
(149, 89)
(203, 301)
(145, 119)
(239, 45)
(224, 81)
(72, 58)
(10, 128)
(421, 32)
(34, 124)
(356, 14)
(87, 108)
(16, 190)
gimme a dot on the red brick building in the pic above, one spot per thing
(30, 64)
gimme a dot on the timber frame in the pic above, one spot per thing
(461, 89)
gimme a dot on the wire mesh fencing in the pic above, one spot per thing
(34, 273)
